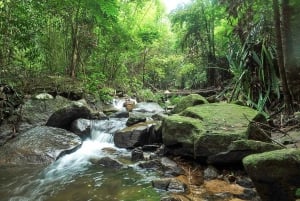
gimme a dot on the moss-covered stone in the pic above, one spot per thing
(181, 133)
(188, 101)
(275, 174)
(207, 129)
(239, 149)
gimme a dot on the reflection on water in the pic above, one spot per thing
(73, 177)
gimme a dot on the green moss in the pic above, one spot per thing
(188, 101)
(221, 117)
(183, 129)
(275, 156)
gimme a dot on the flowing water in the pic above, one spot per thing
(74, 177)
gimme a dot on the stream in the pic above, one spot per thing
(74, 177)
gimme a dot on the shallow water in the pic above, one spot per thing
(73, 177)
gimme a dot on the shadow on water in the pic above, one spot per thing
(74, 177)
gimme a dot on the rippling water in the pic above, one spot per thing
(73, 177)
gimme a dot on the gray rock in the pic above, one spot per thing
(108, 162)
(81, 127)
(65, 116)
(151, 164)
(169, 184)
(170, 168)
(137, 154)
(210, 173)
(121, 114)
(176, 186)
(137, 135)
(40, 145)
(135, 119)
(161, 184)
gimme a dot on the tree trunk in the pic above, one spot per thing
(281, 66)
(291, 43)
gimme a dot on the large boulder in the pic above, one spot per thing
(34, 112)
(64, 117)
(40, 145)
(275, 174)
(137, 135)
(239, 149)
(207, 129)
(189, 101)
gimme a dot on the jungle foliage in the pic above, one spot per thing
(238, 46)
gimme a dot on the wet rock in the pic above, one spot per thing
(161, 184)
(189, 101)
(40, 145)
(137, 154)
(176, 186)
(81, 127)
(135, 119)
(239, 149)
(205, 130)
(248, 194)
(108, 162)
(169, 184)
(170, 167)
(137, 135)
(36, 112)
(275, 174)
(210, 173)
(151, 164)
(245, 182)
(64, 117)
(121, 114)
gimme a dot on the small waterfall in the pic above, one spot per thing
(102, 131)
(65, 170)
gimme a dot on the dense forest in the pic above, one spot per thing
(249, 50)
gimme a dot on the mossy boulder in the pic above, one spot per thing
(239, 149)
(189, 101)
(207, 129)
(275, 174)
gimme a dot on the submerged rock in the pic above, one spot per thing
(275, 174)
(107, 162)
(189, 101)
(40, 145)
(205, 130)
